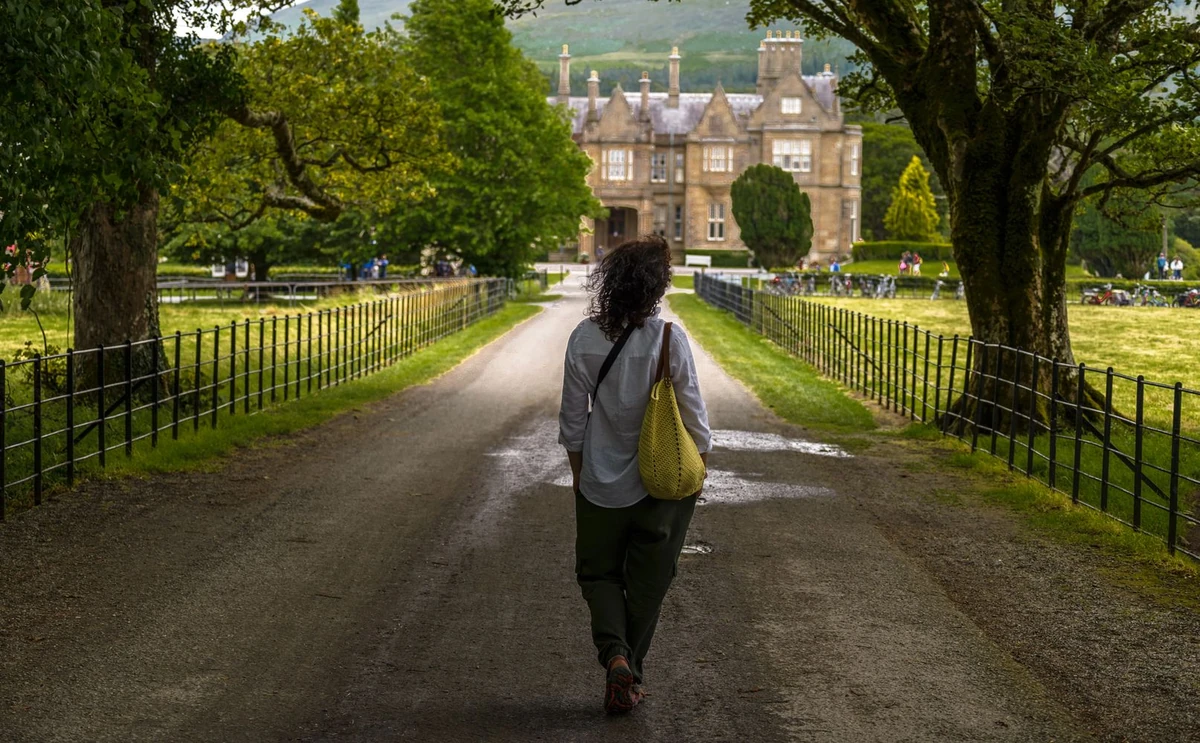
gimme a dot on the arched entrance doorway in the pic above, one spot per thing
(620, 225)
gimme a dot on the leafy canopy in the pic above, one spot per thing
(912, 214)
(520, 189)
(887, 150)
(332, 120)
(774, 215)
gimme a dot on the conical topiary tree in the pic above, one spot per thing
(774, 215)
(913, 212)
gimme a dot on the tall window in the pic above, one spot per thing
(616, 165)
(658, 167)
(793, 155)
(679, 167)
(790, 106)
(679, 223)
(853, 159)
(716, 222)
(660, 221)
(853, 222)
(718, 159)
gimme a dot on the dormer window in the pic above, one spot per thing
(790, 106)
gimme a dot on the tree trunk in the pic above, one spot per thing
(262, 268)
(1011, 234)
(115, 251)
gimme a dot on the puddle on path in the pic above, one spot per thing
(760, 441)
(725, 487)
(696, 549)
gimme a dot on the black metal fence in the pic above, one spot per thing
(64, 412)
(1123, 445)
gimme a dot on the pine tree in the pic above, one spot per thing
(774, 215)
(913, 212)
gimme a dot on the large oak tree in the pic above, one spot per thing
(1013, 103)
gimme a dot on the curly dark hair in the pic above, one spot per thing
(628, 284)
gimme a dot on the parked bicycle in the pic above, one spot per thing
(1148, 296)
(937, 289)
(1107, 295)
(1189, 298)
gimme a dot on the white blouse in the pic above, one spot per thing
(609, 441)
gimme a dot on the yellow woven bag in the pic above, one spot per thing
(668, 459)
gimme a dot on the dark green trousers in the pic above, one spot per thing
(625, 560)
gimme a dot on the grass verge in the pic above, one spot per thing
(792, 389)
(685, 281)
(1144, 563)
(203, 450)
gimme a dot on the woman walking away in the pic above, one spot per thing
(627, 543)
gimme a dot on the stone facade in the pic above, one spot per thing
(664, 161)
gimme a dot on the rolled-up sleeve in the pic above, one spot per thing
(573, 413)
(687, 392)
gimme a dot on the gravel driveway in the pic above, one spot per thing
(405, 573)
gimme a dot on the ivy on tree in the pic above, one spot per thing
(773, 214)
(912, 214)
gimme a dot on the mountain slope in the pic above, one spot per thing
(619, 33)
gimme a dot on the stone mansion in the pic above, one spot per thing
(665, 161)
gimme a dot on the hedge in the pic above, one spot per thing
(891, 250)
(725, 258)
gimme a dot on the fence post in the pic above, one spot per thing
(128, 397)
(981, 377)
(925, 382)
(937, 386)
(1108, 389)
(176, 387)
(232, 366)
(1173, 512)
(196, 395)
(37, 429)
(216, 367)
(996, 395)
(70, 417)
(1079, 384)
(287, 349)
(1033, 398)
(262, 342)
(310, 353)
(3, 438)
(950, 387)
(887, 355)
(320, 347)
(1138, 430)
(246, 371)
(274, 346)
(1053, 477)
(1012, 412)
(155, 380)
(912, 410)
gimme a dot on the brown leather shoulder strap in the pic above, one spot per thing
(664, 358)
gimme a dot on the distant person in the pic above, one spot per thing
(1177, 268)
(1162, 266)
(627, 543)
(916, 264)
(382, 263)
(903, 267)
(835, 266)
(945, 270)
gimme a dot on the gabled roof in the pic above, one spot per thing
(683, 119)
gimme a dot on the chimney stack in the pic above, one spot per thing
(645, 96)
(673, 89)
(593, 93)
(564, 76)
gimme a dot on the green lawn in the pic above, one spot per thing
(792, 390)
(683, 281)
(17, 326)
(928, 269)
(1161, 343)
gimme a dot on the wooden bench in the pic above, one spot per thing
(704, 261)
